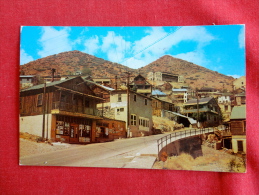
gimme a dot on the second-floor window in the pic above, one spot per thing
(40, 99)
(135, 97)
(145, 101)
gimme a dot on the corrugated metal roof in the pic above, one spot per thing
(201, 101)
(157, 92)
(238, 112)
(179, 89)
(47, 84)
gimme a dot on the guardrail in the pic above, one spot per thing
(164, 141)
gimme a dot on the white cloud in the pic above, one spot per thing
(115, 47)
(194, 57)
(54, 41)
(91, 45)
(24, 57)
(241, 38)
(157, 42)
(234, 76)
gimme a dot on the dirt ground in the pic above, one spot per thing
(30, 145)
(212, 160)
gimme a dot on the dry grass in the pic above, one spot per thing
(212, 160)
(164, 124)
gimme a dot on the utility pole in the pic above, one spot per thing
(43, 111)
(128, 114)
(198, 113)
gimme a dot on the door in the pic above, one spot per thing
(73, 137)
(240, 146)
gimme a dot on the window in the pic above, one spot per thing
(170, 107)
(145, 101)
(119, 97)
(135, 97)
(226, 108)
(133, 120)
(120, 110)
(87, 104)
(40, 99)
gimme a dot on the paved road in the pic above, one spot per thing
(137, 152)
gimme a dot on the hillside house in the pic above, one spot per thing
(159, 106)
(165, 76)
(180, 95)
(27, 81)
(137, 112)
(239, 83)
(239, 99)
(238, 128)
(64, 111)
(140, 85)
(209, 111)
(224, 102)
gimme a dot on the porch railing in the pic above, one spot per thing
(63, 106)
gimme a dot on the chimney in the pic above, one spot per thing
(52, 74)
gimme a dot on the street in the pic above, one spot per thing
(118, 154)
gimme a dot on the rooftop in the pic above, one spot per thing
(201, 101)
(238, 112)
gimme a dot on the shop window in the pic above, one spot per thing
(133, 120)
(39, 99)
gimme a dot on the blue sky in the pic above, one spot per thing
(217, 47)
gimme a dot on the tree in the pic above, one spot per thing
(86, 71)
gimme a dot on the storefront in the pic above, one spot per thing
(81, 130)
(73, 129)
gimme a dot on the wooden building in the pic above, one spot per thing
(141, 86)
(159, 105)
(62, 111)
(207, 109)
(238, 128)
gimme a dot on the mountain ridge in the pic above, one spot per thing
(67, 63)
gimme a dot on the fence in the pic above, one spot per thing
(163, 141)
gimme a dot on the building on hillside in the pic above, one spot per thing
(238, 128)
(140, 85)
(103, 81)
(159, 106)
(208, 112)
(165, 76)
(239, 99)
(180, 95)
(239, 83)
(224, 102)
(27, 81)
(137, 112)
(65, 111)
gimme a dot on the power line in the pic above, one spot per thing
(152, 44)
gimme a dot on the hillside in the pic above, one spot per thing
(195, 76)
(67, 63)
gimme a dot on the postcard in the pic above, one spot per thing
(151, 97)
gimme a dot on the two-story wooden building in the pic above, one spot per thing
(207, 109)
(238, 128)
(64, 111)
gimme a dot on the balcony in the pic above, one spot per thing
(65, 108)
